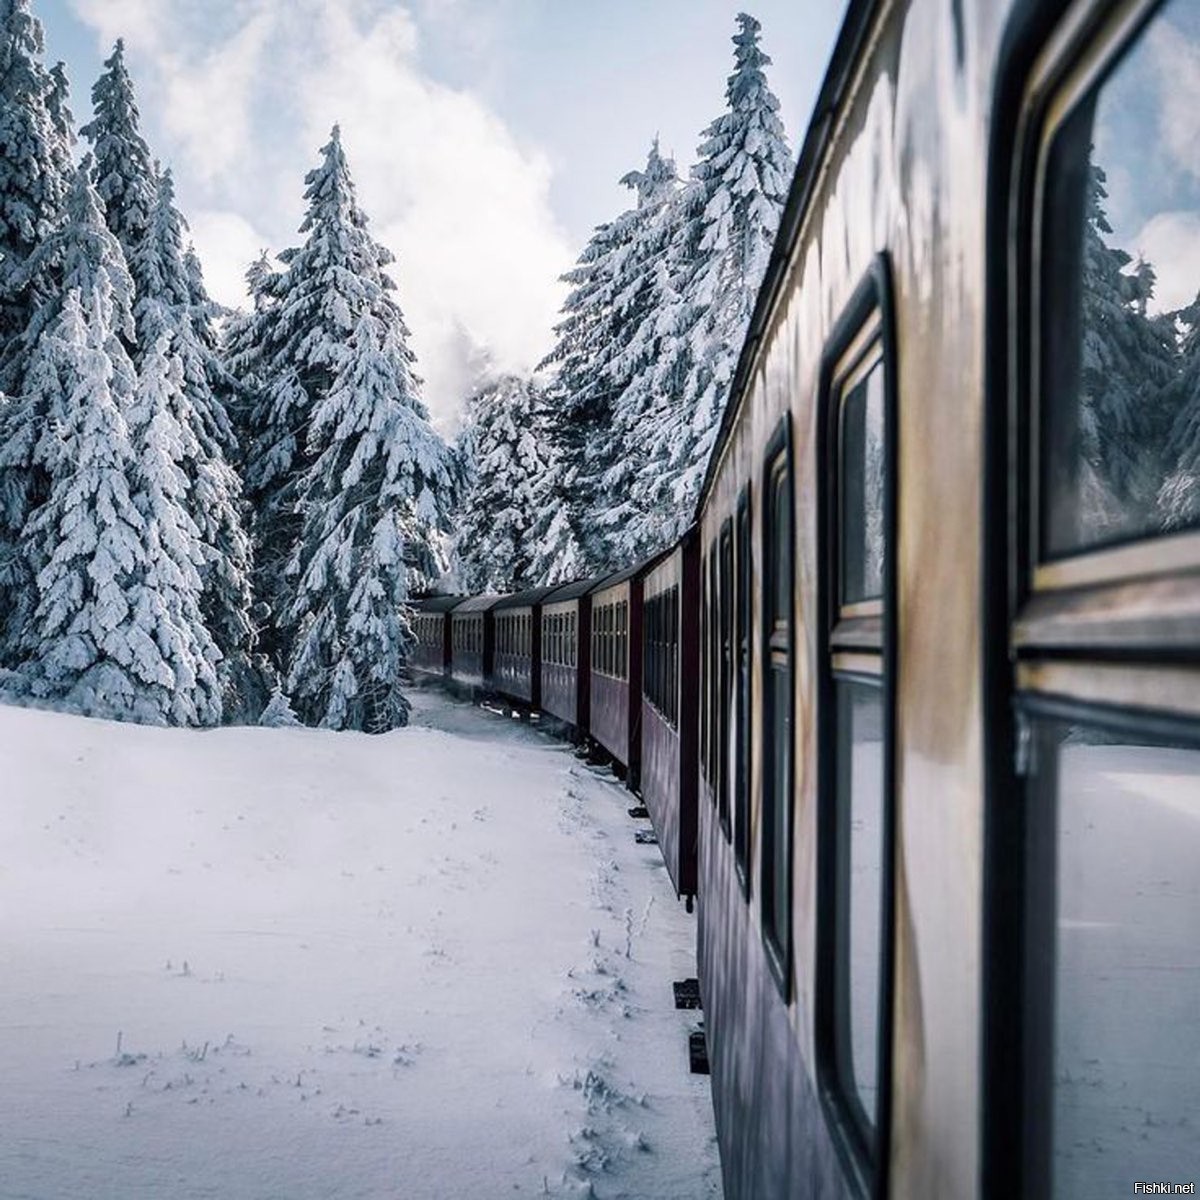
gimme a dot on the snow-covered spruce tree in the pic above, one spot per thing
(73, 255)
(327, 319)
(115, 630)
(171, 303)
(242, 354)
(505, 465)
(592, 361)
(1128, 361)
(35, 167)
(372, 504)
(578, 401)
(730, 215)
(638, 364)
(1178, 499)
(125, 176)
(35, 173)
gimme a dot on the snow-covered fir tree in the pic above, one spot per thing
(35, 174)
(730, 216)
(577, 397)
(611, 289)
(115, 630)
(171, 302)
(125, 176)
(505, 471)
(644, 366)
(343, 468)
(1128, 361)
(1178, 500)
(372, 504)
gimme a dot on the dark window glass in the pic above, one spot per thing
(1120, 381)
(1120, 818)
(705, 731)
(862, 489)
(741, 771)
(727, 745)
(859, 896)
(777, 723)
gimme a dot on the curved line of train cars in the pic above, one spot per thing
(606, 660)
(915, 705)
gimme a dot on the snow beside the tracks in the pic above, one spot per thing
(264, 963)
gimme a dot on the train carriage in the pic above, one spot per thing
(950, 756)
(615, 683)
(473, 640)
(670, 706)
(566, 654)
(431, 624)
(516, 672)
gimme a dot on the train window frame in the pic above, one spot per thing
(725, 619)
(743, 639)
(1103, 635)
(777, 929)
(856, 645)
(1077, 62)
(703, 667)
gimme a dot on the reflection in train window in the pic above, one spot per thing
(741, 768)
(1115, 830)
(1120, 372)
(859, 895)
(855, 801)
(725, 603)
(776, 890)
(862, 488)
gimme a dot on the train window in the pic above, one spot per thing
(1119, 407)
(777, 674)
(741, 770)
(1103, 647)
(705, 732)
(726, 731)
(1116, 813)
(624, 652)
(661, 682)
(861, 476)
(713, 676)
(855, 804)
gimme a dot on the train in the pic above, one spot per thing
(914, 703)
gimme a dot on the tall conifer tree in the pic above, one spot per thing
(342, 464)
(505, 466)
(722, 244)
(35, 168)
(116, 629)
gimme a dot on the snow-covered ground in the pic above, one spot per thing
(260, 963)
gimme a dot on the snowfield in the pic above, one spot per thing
(283, 963)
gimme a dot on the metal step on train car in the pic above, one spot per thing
(919, 711)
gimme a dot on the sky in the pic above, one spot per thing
(1147, 141)
(486, 137)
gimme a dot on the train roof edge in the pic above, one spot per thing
(856, 24)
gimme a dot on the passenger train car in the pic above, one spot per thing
(918, 697)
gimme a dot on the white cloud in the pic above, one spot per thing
(227, 244)
(1178, 58)
(241, 108)
(1170, 242)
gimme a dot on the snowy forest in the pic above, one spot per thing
(218, 517)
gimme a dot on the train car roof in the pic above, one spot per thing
(477, 604)
(847, 51)
(437, 603)
(638, 568)
(527, 598)
(573, 590)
